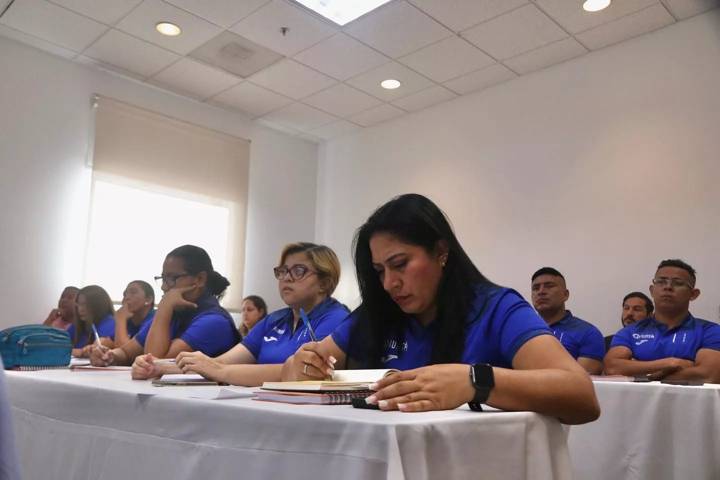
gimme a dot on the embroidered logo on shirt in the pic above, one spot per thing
(270, 339)
(641, 342)
(278, 330)
(643, 337)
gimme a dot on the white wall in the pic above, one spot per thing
(601, 167)
(45, 186)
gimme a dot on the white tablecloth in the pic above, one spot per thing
(650, 431)
(91, 425)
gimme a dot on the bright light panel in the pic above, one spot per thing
(342, 11)
(132, 229)
(595, 5)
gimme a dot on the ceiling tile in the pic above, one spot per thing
(461, 14)
(235, 54)
(99, 65)
(105, 11)
(627, 27)
(572, 17)
(447, 59)
(38, 43)
(129, 53)
(220, 12)
(369, 82)
(514, 33)
(545, 56)
(341, 100)
(263, 27)
(341, 57)
(682, 9)
(52, 23)
(278, 126)
(425, 98)
(335, 129)
(299, 117)
(397, 29)
(376, 115)
(251, 99)
(193, 78)
(487, 77)
(292, 79)
(141, 23)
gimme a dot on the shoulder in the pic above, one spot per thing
(333, 308)
(707, 325)
(273, 318)
(582, 325)
(492, 298)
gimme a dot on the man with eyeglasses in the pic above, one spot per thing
(636, 306)
(581, 339)
(672, 344)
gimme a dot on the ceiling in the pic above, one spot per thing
(319, 80)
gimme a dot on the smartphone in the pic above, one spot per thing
(361, 403)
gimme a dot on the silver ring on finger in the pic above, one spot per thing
(305, 369)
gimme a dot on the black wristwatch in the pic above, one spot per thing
(483, 379)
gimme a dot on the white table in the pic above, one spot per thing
(650, 431)
(90, 425)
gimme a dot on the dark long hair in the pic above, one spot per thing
(416, 220)
(197, 260)
(98, 304)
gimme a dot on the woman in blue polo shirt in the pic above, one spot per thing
(93, 306)
(427, 310)
(307, 276)
(137, 309)
(189, 316)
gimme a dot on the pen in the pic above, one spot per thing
(97, 337)
(307, 325)
(164, 361)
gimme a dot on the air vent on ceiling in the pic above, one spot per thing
(235, 54)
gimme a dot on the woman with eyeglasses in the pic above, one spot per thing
(93, 318)
(457, 337)
(188, 318)
(307, 277)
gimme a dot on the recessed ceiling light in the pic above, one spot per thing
(342, 11)
(390, 84)
(595, 5)
(169, 29)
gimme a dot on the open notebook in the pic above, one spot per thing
(342, 381)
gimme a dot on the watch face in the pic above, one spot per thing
(483, 376)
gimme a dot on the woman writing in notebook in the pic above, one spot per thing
(93, 321)
(427, 310)
(137, 309)
(307, 276)
(189, 316)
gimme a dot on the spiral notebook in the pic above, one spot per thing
(342, 381)
(311, 398)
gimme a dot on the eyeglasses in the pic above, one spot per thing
(297, 272)
(170, 280)
(673, 282)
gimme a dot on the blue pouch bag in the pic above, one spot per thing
(35, 346)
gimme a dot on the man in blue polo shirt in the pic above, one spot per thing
(581, 339)
(636, 306)
(672, 344)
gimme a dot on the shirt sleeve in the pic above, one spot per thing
(106, 327)
(330, 321)
(593, 344)
(341, 334)
(210, 333)
(253, 340)
(711, 336)
(514, 323)
(143, 333)
(623, 338)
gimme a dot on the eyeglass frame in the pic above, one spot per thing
(672, 282)
(279, 275)
(170, 281)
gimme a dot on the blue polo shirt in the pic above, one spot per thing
(105, 328)
(133, 329)
(272, 339)
(651, 340)
(208, 329)
(500, 321)
(580, 338)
